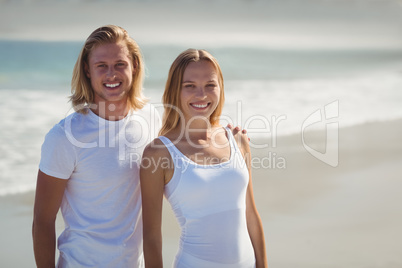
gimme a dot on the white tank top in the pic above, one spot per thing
(209, 202)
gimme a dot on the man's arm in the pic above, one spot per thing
(49, 193)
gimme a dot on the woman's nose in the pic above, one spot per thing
(200, 92)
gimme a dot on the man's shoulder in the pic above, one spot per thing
(149, 116)
(73, 118)
(60, 129)
(149, 111)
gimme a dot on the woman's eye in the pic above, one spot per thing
(189, 86)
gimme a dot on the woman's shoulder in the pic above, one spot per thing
(156, 149)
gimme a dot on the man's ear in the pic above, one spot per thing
(86, 70)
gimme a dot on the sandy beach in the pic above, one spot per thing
(314, 215)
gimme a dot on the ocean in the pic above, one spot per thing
(268, 91)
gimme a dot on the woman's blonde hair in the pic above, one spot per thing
(81, 89)
(171, 96)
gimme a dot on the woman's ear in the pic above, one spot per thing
(134, 67)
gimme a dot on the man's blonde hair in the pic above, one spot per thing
(81, 89)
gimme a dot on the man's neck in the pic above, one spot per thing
(111, 111)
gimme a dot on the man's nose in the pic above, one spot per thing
(111, 72)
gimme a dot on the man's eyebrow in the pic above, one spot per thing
(104, 61)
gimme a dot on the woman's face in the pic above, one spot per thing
(200, 90)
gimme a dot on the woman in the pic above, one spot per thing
(203, 172)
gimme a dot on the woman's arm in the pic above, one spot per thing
(152, 177)
(255, 229)
(48, 196)
(254, 224)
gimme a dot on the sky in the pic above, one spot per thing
(285, 24)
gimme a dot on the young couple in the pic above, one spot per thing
(112, 207)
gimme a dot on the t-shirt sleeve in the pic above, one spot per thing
(58, 156)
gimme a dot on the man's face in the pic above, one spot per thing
(111, 71)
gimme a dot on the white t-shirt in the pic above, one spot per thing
(101, 206)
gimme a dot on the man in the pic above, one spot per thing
(89, 162)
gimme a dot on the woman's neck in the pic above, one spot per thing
(196, 130)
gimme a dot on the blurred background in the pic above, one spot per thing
(280, 59)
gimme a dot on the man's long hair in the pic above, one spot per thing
(81, 89)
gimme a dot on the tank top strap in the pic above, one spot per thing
(176, 155)
(174, 152)
(232, 142)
